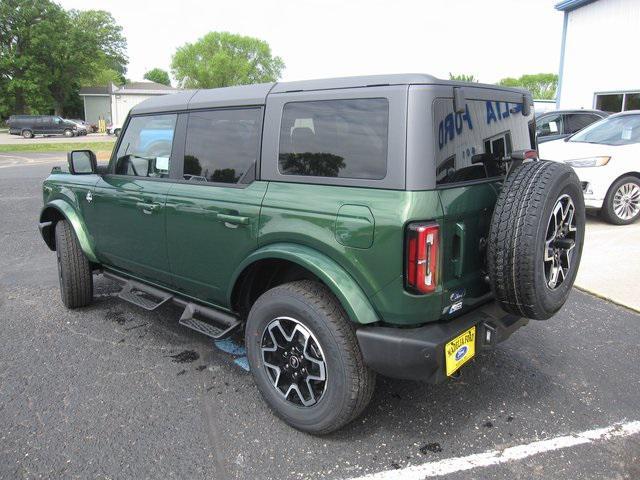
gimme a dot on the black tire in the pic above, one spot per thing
(520, 277)
(608, 211)
(27, 134)
(68, 133)
(116, 132)
(74, 270)
(349, 383)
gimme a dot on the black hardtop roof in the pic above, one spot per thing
(256, 94)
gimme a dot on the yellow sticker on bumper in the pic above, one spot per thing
(460, 350)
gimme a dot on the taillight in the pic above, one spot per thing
(422, 256)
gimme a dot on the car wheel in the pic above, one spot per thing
(535, 239)
(622, 204)
(68, 133)
(74, 270)
(27, 134)
(305, 359)
(116, 132)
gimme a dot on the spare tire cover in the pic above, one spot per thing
(535, 239)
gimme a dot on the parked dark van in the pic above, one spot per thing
(30, 125)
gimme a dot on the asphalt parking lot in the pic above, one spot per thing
(113, 391)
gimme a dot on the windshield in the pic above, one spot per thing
(622, 130)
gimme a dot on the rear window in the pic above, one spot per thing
(335, 138)
(492, 128)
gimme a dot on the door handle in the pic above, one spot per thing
(233, 219)
(148, 208)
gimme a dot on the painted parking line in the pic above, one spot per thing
(496, 457)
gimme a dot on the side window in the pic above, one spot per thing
(577, 121)
(222, 145)
(551, 125)
(335, 138)
(146, 146)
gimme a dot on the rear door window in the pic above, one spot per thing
(577, 121)
(471, 144)
(550, 125)
(335, 138)
(145, 148)
(222, 145)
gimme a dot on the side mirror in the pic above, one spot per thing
(82, 162)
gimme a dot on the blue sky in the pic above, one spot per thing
(490, 39)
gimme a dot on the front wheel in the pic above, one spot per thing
(622, 204)
(68, 133)
(116, 132)
(305, 359)
(74, 270)
(27, 134)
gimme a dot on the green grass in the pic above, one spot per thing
(58, 147)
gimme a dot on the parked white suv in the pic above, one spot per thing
(606, 157)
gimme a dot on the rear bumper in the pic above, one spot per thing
(418, 353)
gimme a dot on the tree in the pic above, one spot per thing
(93, 44)
(159, 76)
(46, 53)
(24, 28)
(462, 77)
(221, 59)
(541, 85)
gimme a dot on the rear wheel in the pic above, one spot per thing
(622, 204)
(74, 270)
(27, 134)
(535, 239)
(305, 358)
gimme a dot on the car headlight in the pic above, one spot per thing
(588, 162)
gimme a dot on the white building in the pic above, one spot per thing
(112, 103)
(599, 66)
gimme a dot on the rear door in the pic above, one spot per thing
(212, 213)
(129, 201)
(492, 128)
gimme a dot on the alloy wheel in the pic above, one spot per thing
(294, 361)
(626, 201)
(560, 242)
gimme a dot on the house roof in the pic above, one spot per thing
(568, 5)
(148, 88)
(131, 88)
(105, 90)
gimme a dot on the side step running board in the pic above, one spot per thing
(208, 321)
(143, 295)
(223, 326)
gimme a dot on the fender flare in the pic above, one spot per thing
(78, 225)
(341, 284)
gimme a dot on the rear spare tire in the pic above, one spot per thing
(535, 239)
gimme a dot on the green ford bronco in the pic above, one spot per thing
(392, 225)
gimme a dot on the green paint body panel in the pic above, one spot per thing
(199, 238)
(67, 194)
(355, 226)
(210, 231)
(345, 288)
(378, 270)
(128, 219)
